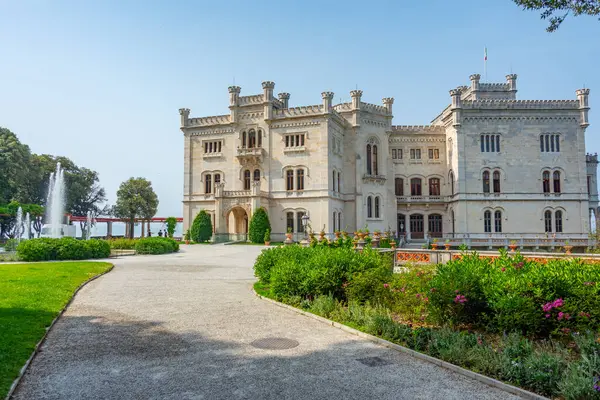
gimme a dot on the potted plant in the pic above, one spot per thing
(322, 234)
(268, 237)
(434, 244)
(289, 233)
(376, 234)
(187, 236)
(568, 247)
(513, 246)
(337, 234)
(447, 244)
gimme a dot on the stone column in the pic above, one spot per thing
(109, 229)
(220, 223)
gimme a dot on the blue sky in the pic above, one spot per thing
(101, 82)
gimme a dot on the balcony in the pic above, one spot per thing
(380, 179)
(421, 199)
(237, 193)
(250, 156)
(212, 155)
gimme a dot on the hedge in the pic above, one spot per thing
(201, 227)
(156, 245)
(67, 248)
(259, 225)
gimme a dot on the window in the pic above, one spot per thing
(547, 221)
(375, 169)
(489, 143)
(251, 139)
(550, 143)
(259, 138)
(396, 154)
(247, 179)
(415, 154)
(340, 220)
(368, 159)
(257, 175)
(339, 181)
(294, 140)
(546, 181)
(415, 187)
(434, 154)
(207, 183)
(556, 179)
(558, 221)
(300, 179)
(486, 181)
(452, 183)
(487, 221)
(496, 181)
(369, 207)
(244, 139)
(299, 226)
(434, 222)
(212, 147)
(334, 180)
(376, 206)
(434, 187)
(289, 221)
(217, 178)
(588, 183)
(334, 220)
(399, 186)
(289, 182)
(498, 221)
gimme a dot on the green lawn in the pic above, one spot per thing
(31, 296)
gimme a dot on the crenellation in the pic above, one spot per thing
(251, 100)
(212, 120)
(299, 111)
(373, 108)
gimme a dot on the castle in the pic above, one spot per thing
(488, 166)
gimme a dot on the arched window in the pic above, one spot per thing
(259, 138)
(299, 226)
(207, 183)
(340, 220)
(289, 217)
(334, 180)
(498, 221)
(300, 179)
(487, 221)
(339, 180)
(434, 187)
(368, 159)
(557, 137)
(496, 181)
(556, 179)
(452, 183)
(415, 187)
(244, 139)
(289, 181)
(375, 169)
(548, 221)
(498, 143)
(377, 207)
(217, 178)
(369, 207)
(247, 179)
(334, 220)
(558, 223)
(251, 139)
(546, 181)
(257, 174)
(486, 181)
(399, 186)
(434, 222)
(542, 143)
(552, 143)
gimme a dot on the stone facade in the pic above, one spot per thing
(488, 166)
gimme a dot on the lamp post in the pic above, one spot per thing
(305, 219)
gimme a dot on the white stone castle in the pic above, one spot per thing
(488, 166)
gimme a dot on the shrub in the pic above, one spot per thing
(66, 248)
(201, 227)
(122, 244)
(11, 245)
(268, 236)
(259, 225)
(156, 245)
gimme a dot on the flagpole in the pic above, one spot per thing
(485, 64)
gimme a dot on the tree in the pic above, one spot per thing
(201, 227)
(135, 199)
(259, 225)
(550, 9)
(171, 225)
(14, 164)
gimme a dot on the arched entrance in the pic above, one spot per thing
(237, 223)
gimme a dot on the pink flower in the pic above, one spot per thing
(557, 303)
(503, 269)
(547, 315)
(418, 295)
(386, 285)
(457, 291)
(584, 314)
(460, 299)
(560, 315)
(426, 299)
(403, 289)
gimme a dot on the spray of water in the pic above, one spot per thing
(18, 232)
(56, 202)
(88, 226)
(27, 226)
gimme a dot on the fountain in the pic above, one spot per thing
(27, 226)
(18, 232)
(56, 202)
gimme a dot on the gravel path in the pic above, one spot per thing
(180, 327)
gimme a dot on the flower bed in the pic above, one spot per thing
(66, 248)
(532, 325)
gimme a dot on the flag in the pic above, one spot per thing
(485, 54)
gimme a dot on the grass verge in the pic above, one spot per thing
(31, 297)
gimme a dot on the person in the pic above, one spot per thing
(160, 233)
(149, 234)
